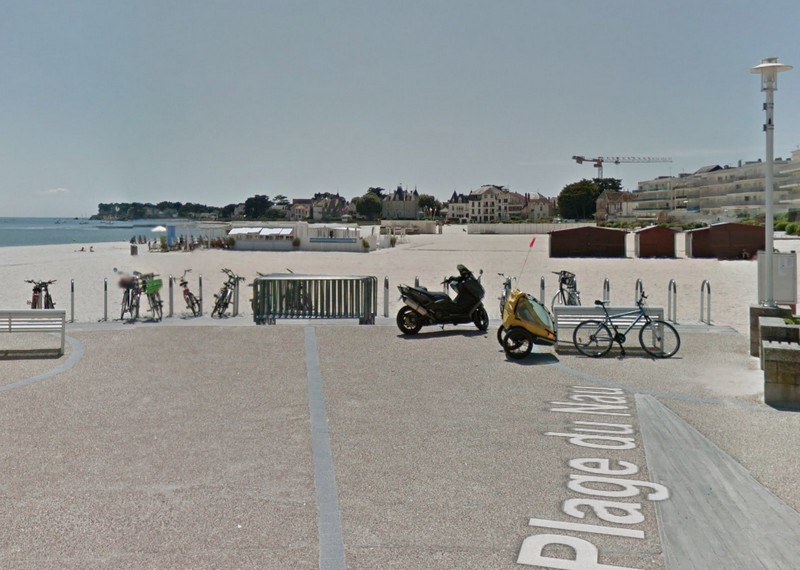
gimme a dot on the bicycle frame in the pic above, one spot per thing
(609, 320)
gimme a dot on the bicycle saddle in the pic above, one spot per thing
(600, 303)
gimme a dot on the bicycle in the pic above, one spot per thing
(152, 288)
(594, 338)
(130, 296)
(192, 302)
(568, 293)
(40, 298)
(505, 291)
(225, 295)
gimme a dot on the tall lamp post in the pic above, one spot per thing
(769, 69)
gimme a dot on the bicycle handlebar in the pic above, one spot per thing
(40, 282)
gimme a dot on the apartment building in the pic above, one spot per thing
(720, 191)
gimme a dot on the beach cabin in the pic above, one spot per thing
(725, 241)
(654, 241)
(588, 241)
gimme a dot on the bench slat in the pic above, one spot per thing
(34, 321)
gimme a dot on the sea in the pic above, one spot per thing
(80, 231)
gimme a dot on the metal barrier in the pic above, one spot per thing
(705, 287)
(672, 301)
(606, 290)
(282, 296)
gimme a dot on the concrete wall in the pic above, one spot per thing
(521, 228)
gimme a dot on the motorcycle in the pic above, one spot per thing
(423, 307)
(526, 322)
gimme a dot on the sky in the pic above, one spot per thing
(213, 102)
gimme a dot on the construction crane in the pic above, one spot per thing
(598, 162)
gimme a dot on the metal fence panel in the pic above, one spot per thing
(287, 296)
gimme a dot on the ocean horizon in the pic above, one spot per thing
(79, 231)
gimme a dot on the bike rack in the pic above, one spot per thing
(638, 290)
(606, 290)
(235, 309)
(171, 284)
(672, 301)
(541, 289)
(705, 287)
(386, 296)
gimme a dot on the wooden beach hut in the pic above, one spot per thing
(654, 241)
(725, 241)
(588, 241)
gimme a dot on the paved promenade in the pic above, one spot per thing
(333, 445)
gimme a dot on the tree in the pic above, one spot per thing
(369, 205)
(603, 184)
(428, 201)
(578, 200)
(281, 200)
(256, 207)
(378, 191)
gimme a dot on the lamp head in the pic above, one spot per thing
(769, 69)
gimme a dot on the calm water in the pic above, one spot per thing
(46, 231)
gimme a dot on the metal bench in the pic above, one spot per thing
(568, 317)
(44, 321)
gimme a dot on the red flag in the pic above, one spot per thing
(532, 240)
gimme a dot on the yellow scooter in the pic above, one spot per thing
(525, 322)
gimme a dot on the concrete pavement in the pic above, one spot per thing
(239, 446)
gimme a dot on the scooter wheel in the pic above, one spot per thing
(408, 320)
(517, 343)
(480, 318)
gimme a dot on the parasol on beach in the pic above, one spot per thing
(159, 229)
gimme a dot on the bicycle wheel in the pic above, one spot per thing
(592, 338)
(501, 333)
(156, 305)
(558, 299)
(194, 304)
(48, 302)
(135, 298)
(126, 304)
(220, 306)
(659, 339)
(517, 343)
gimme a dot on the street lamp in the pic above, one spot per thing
(769, 69)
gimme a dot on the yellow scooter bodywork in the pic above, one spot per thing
(523, 310)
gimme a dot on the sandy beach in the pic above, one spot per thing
(428, 257)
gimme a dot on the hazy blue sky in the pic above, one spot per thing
(212, 102)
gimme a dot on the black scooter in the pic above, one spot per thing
(423, 307)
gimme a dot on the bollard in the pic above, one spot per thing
(416, 281)
(386, 297)
(105, 299)
(638, 291)
(200, 293)
(72, 301)
(606, 290)
(705, 287)
(541, 289)
(672, 301)
(171, 288)
(235, 309)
